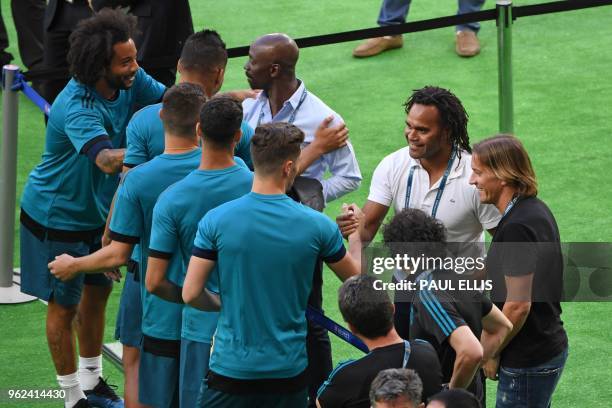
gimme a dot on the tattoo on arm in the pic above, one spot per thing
(110, 161)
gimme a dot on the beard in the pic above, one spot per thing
(120, 82)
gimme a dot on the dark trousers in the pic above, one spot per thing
(5, 57)
(56, 43)
(401, 319)
(318, 345)
(403, 306)
(28, 18)
(310, 192)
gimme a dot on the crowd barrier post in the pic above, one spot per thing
(9, 291)
(504, 58)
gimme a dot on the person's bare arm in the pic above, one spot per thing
(468, 356)
(240, 94)
(66, 267)
(346, 267)
(354, 239)
(106, 239)
(106, 236)
(495, 328)
(156, 281)
(516, 309)
(110, 161)
(374, 214)
(518, 303)
(194, 288)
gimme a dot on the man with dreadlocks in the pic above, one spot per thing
(431, 174)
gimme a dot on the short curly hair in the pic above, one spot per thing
(273, 144)
(220, 119)
(413, 230)
(91, 44)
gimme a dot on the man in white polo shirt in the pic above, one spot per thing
(431, 174)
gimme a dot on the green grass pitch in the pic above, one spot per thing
(563, 104)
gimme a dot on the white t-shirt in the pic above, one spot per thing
(460, 210)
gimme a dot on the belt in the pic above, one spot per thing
(43, 233)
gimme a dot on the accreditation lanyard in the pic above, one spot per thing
(292, 117)
(511, 204)
(406, 353)
(316, 316)
(434, 210)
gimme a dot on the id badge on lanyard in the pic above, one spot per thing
(434, 210)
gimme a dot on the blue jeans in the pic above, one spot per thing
(530, 387)
(395, 12)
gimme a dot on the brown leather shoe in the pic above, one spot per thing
(467, 44)
(375, 46)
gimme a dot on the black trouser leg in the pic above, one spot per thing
(56, 44)
(318, 345)
(28, 17)
(401, 318)
(5, 57)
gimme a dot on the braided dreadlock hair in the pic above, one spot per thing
(453, 116)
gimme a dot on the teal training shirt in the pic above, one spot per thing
(266, 247)
(67, 190)
(243, 148)
(145, 138)
(175, 222)
(131, 223)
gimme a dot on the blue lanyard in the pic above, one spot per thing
(292, 117)
(406, 353)
(510, 205)
(434, 210)
(317, 317)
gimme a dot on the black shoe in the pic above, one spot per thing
(104, 396)
(82, 404)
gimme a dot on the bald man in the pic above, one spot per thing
(271, 67)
